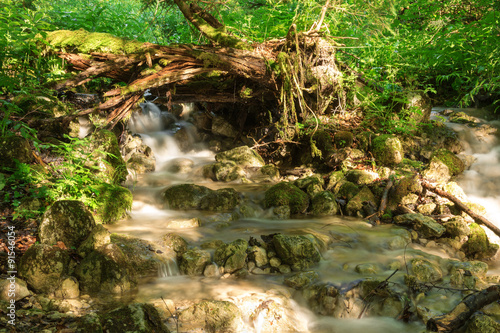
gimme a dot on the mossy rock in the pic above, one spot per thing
(426, 270)
(299, 252)
(324, 142)
(67, 221)
(333, 178)
(346, 189)
(455, 165)
(343, 139)
(361, 177)
(136, 318)
(232, 256)
(113, 204)
(478, 246)
(365, 140)
(286, 194)
(301, 280)
(355, 205)
(185, 196)
(105, 155)
(98, 237)
(426, 226)
(106, 270)
(44, 267)
(213, 316)
(243, 156)
(387, 150)
(460, 117)
(14, 148)
(194, 261)
(312, 185)
(480, 323)
(175, 243)
(221, 200)
(406, 187)
(324, 204)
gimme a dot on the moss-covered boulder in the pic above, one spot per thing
(355, 205)
(361, 177)
(287, 194)
(426, 270)
(232, 256)
(424, 225)
(67, 221)
(174, 243)
(324, 204)
(106, 270)
(44, 267)
(300, 280)
(106, 157)
(404, 192)
(243, 156)
(478, 245)
(220, 200)
(454, 164)
(9, 285)
(194, 261)
(345, 189)
(387, 150)
(312, 185)
(460, 117)
(213, 316)
(457, 227)
(225, 171)
(333, 178)
(185, 196)
(113, 204)
(141, 254)
(481, 323)
(13, 148)
(343, 139)
(299, 252)
(98, 237)
(136, 317)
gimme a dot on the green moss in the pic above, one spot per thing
(113, 204)
(387, 150)
(286, 194)
(454, 164)
(343, 139)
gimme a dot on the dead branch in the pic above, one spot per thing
(477, 218)
(457, 317)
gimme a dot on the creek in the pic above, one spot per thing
(355, 250)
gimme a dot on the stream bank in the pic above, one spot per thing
(221, 241)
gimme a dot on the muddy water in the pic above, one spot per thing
(356, 242)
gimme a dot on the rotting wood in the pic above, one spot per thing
(460, 205)
(457, 317)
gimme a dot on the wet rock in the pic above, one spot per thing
(105, 155)
(180, 165)
(301, 280)
(89, 323)
(232, 256)
(10, 285)
(387, 150)
(457, 227)
(183, 224)
(297, 251)
(322, 298)
(367, 269)
(141, 255)
(460, 117)
(141, 164)
(426, 270)
(454, 164)
(222, 199)
(66, 221)
(355, 205)
(324, 204)
(14, 148)
(478, 246)
(174, 243)
(113, 204)
(258, 255)
(404, 192)
(98, 237)
(333, 178)
(424, 225)
(361, 177)
(139, 157)
(137, 318)
(226, 171)
(480, 323)
(44, 267)
(106, 270)
(213, 316)
(286, 194)
(194, 261)
(312, 185)
(270, 171)
(243, 156)
(346, 189)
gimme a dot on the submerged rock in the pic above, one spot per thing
(66, 221)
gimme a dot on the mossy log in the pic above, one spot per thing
(457, 317)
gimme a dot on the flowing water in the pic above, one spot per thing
(356, 242)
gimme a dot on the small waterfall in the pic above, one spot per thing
(168, 268)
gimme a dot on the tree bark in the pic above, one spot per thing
(453, 320)
(479, 219)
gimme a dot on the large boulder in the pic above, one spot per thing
(443, 165)
(243, 156)
(98, 237)
(136, 317)
(106, 270)
(213, 316)
(299, 252)
(66, 221)
(387, 150)
(232, 256)
(190, 196)
(312, 185)
(287, 194)
(44, 267)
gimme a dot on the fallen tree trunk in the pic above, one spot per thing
(460, 205)
(455, 319)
